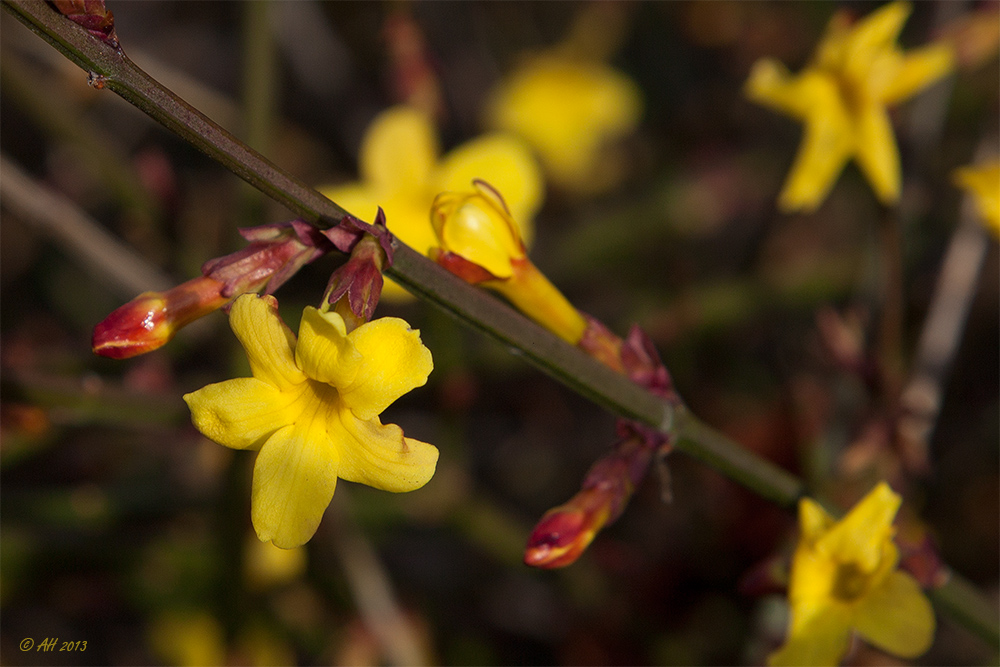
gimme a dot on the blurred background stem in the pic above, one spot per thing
(260, 95)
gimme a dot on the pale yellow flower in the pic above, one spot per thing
(401, 171)
(842, 97)
(844, 578)
(312, 409)
(569, 109)
(983, 183)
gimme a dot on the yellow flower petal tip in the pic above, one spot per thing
(402, 171)
(844, 579)
(843, 97)
(312, 408)
(569, 110)
(982, 182)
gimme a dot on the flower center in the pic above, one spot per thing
(850, 582)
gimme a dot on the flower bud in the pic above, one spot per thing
(564, 532)
(274, 253)
(153, 318)
(480, 243)
(477, 227)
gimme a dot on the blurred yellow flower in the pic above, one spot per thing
(983, 183)
(842, 98)
(569, 109)
(478, 240)
(266, 565)
(844, 578)
(188, 639)
(402, 173)
(312, 408)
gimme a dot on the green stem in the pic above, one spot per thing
(564, 362)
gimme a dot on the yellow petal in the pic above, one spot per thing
(771, 84)
(874, 33)
(826, 146)
(811, 580)
(359, 199)
(395, 361)
(876, 152)
(293, 482)
(504, 162)
(861, 536)
(813, 520)
(269, 343)
(409, 220)
(324, 352)
(897, 617)
(821, 638)
(917, 69)
(378, 455)
(832, 48)
(240, 413)
(399, 150)
(983, 182)
(567, 110)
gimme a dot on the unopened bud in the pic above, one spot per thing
(153, 318)
(564, 532)
(274, 253)
(355, 287)
(480, 243)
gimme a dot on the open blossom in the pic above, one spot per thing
(569, 109)
(312, 410)
(401, 171)
(844, 577)
(842, 97)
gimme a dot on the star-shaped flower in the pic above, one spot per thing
(401, 172)
(842, 97)
(312, 409)
(844, 578)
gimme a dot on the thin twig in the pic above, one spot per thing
(116, 264)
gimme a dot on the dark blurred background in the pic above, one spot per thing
(123, 527)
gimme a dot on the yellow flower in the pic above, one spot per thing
(188, 639)
(312, 408)
(569, 110)
(401, 172)
(983, 183)
(842, 98)
(477, 240)
(844, 577)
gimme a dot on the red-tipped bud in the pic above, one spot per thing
(153, 318)
(274, 253)
(564, 532)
